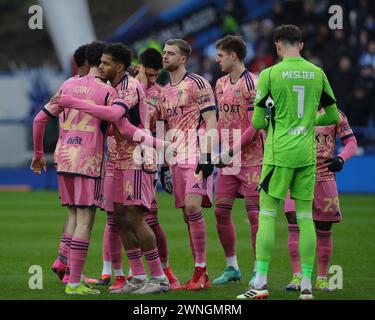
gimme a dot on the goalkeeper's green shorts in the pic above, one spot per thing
(276, 181)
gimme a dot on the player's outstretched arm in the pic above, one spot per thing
(38, 162)
(114, 113)
(248, 135)
(133, 133)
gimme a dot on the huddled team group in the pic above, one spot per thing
(276, 139)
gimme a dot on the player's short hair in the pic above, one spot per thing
(119, 53)
(182, 45)
(288, 33)
(80, 55)
(234, 44)
(151, 58)
(94, 52)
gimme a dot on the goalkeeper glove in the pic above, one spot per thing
(206, 167)
(166, 179)
(335, 164)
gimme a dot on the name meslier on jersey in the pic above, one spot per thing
(298, 74)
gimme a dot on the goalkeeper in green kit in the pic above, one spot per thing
(292, 89)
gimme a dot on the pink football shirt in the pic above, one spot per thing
(182, 107)
(235, 104)
(80, 146)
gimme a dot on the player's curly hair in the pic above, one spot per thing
(119, 53)
(151, 58)
(234, 44)
(94, 52)
(80, 55)
(288, 33)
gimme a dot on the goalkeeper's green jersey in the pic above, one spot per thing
(297, 87)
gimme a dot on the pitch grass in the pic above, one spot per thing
(31, 225)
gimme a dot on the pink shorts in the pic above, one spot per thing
(78, 191)
(133, 188)
(186, 182)
(244, 183)
(326, 206)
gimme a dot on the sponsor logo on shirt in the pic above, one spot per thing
(175, 111)
(74, 140)
(230, 108)
(297, 131)
(319, 138)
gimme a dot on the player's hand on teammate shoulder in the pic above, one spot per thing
(38, 164)
(335, 164)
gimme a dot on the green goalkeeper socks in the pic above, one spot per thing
(307, 237)
(265, 241)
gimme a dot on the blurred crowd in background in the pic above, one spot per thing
(347, 55)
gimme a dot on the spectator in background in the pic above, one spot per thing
(232, 16)
(368, 56)
(335, 48)
(367, 78)
(342, 81)
(358, 109)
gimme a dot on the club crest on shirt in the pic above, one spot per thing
(154, 100)
(180, 94)
(237, 93)
(120, 95)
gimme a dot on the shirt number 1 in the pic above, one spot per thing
(301, 100)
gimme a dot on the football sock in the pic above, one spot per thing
(107, 267)
(225, 228)
(153, 261)
(78, 254)
(161, 239)
(324, 251)
(265, 240)
(198, 235)
(64, 247)
(232, 262)
(136, 261)
(114, 243)
(307, 237)
(252, 209)
(293, 239)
